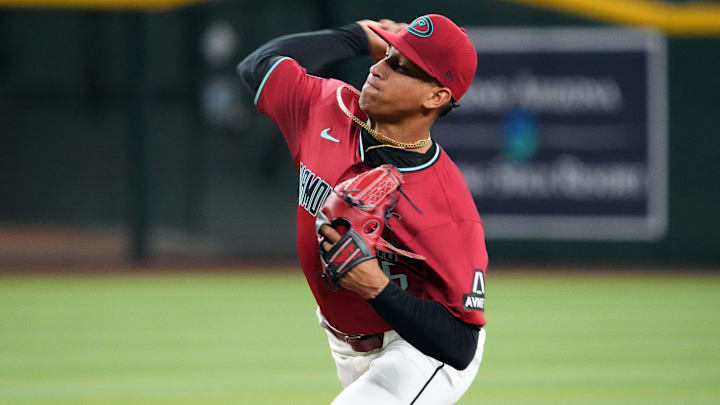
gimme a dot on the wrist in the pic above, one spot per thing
(373, 291)
(366, 279)
(376, 46)
(387, 296)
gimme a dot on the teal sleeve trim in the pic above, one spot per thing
(262, 84)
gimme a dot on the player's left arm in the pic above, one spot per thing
(427, 325)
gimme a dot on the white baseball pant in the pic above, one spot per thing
(398, 374)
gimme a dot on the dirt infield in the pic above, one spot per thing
(55, 250)
(43, 249)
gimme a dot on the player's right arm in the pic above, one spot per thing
(315, 50)
(277, 72)
(277, 75)
(311, 50)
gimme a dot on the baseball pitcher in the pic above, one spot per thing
(389, 238)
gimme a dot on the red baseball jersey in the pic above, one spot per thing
(326, 146)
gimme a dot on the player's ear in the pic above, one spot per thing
(437, 98)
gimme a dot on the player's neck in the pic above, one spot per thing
(406, 132)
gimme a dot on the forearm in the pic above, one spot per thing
(428, 326)
(312, 50)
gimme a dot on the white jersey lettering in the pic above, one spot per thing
(312, 190)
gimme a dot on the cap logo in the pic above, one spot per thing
(422, 27)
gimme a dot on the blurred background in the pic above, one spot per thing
(589, 140)
(127, 137)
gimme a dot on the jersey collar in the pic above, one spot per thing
(404, 160)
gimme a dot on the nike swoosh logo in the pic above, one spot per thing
(324, 134)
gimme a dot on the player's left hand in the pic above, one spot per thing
(366, 279)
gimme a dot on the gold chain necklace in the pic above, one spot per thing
(380, 137)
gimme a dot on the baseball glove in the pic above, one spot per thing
(359, 209)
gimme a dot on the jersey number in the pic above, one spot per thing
(402, 278)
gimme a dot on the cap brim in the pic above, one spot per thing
(404, 48)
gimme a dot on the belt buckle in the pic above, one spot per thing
(353, 338)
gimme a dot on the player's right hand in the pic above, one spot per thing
(377, 47)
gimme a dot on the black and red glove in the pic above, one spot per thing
(359, 208)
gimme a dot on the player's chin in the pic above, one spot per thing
(375, 105)
(367, 101)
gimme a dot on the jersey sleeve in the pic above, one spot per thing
(456, 252)
(285, 95)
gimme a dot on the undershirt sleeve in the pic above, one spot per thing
(428, 326)
(277, 74)
(311, 50)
